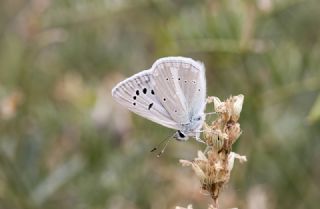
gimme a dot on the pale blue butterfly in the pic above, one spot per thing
(172, 93)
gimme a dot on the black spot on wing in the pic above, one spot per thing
(144, 90)
(150, 105)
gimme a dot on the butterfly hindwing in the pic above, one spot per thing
(137, 93)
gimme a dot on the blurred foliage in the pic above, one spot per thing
(66, 144)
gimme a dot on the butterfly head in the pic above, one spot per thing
(190, 129)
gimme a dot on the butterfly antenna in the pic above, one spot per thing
(157, 147)
(154, 149)
(164, 147)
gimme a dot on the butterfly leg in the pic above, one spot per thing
(203, 130)
(211, 113)
(200, 140)
(197, 137)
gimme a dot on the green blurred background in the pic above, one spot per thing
(66, 144)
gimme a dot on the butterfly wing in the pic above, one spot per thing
(181, 87)
(193, 85)
(137, 93)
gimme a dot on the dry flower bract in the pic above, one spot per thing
(188, 207)
(214, 165)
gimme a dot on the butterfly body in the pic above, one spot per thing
(172, 93)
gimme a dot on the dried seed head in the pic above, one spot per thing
(213, 167)
(213, 172)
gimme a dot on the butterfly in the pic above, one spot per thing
(171, 93)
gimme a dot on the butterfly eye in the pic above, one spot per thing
(181, 135)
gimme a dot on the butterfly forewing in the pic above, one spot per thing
(180, 86)
(193, 84)
(137, 93)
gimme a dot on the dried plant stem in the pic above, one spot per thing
(215, 203)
